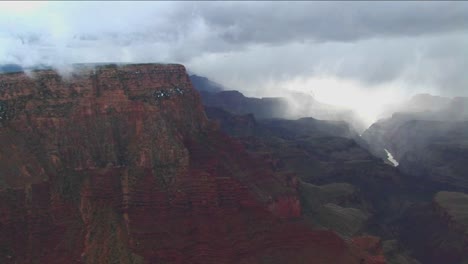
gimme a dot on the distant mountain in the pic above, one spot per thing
(429, 138)
(293, 105)
(439, 111)
(204, 84)
(8, 68)
(305, 105)
(431, 149)
(432, 107)
(419, 103)
(236, 103)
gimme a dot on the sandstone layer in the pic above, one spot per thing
(118, 164)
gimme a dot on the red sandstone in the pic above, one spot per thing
(99, 169)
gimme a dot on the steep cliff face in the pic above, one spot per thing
(120, 165)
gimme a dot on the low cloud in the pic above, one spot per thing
(259, 48)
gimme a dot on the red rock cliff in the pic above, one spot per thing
(120, 165)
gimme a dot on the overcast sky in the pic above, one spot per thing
(346, 53)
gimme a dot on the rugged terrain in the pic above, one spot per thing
(341, 185)
(119, 164)
(430, 146)
(345, 188)
(429, 141)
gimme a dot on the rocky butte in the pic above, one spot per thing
(119, 164)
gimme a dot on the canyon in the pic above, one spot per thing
(142, 163)
(346, 181)
(119, 164)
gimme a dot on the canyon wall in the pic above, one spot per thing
(118, 164)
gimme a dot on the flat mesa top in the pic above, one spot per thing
(15, 68)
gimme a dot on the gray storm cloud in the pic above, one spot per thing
(256, 47)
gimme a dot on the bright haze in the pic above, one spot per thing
(360, 55)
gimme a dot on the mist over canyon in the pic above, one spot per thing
(233, 132)
(360, 56)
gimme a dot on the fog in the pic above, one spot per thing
(358, 55)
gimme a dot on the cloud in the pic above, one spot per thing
(257, 47)
(280, 22)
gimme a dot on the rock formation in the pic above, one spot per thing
(118, 164)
